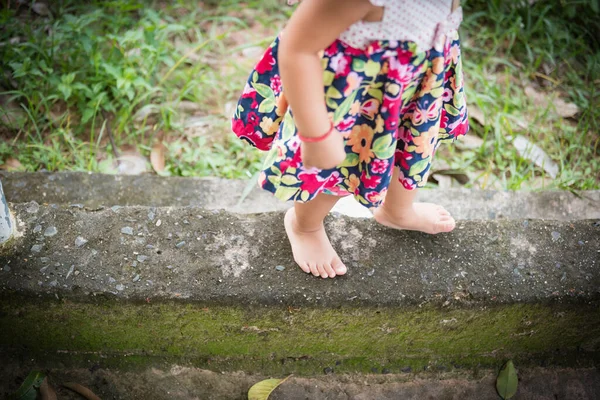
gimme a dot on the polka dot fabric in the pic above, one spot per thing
(419, 21)
(393, 102)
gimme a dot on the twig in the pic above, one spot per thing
(110, 137)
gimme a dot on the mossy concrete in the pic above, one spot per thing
(301, 340)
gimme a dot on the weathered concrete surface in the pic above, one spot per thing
(95, 190)
(185, 383)
(210, 256)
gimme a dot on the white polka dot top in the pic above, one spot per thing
(424, 22)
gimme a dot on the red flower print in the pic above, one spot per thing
(379, 166)
(332, 49)
(340, 64)
(293, 162)
(346, 124)
(333, 180)
(443, 119)
(253, 119)
(402, 158)
(311, 180)
(376, 197)
(276, 84)
(259, 140)
(370, 182)
(266, 63)
(404, 56)
(408, 183)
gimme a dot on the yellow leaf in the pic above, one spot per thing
(262, 389)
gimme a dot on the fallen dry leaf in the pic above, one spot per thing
(46, 391)
(469, 142)
(443, 182)
(12, 164)
(564, 109)
(157, 157)
(533, 152)
(476, 114)
(40, 8)
(560, 107)
(82, 390)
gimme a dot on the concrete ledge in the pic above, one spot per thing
(136, 285)
(192, 253)
(96, 190)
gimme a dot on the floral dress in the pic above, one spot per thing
(393, 91)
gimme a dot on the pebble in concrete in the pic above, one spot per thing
(37, 229)
(50, 231)
(33, 207)
(280, 268)
(180, 244)
(142, 258)
(120, 287)
(136, 278)
(70, 271)
(36, 248)
(127, 230)
(80, 241)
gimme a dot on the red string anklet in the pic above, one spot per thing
(317, 138)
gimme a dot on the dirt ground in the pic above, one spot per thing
(185, 383)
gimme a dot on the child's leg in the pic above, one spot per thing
(311, 247)
(398, 211)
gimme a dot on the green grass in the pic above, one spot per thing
(143, 69)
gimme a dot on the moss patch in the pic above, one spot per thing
(304, 340)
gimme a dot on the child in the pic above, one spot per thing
(373, 87)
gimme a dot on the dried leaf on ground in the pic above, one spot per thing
(507, 381)
(127, 164)
(12, 164)
(564, 109)
(82, 390)
(47, 391)
(131, 164)
(560, 107)
(533, 152)
(459, 176)
(443, 182)
(40, 8)
(476, 114)
(157, 157)
(469, 142)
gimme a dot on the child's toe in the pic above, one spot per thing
(304, 267)
(313, 269)
(321, 269)
(329, 270)
(338, 266)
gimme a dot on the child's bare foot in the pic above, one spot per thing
(312, 249)
(424, 217)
